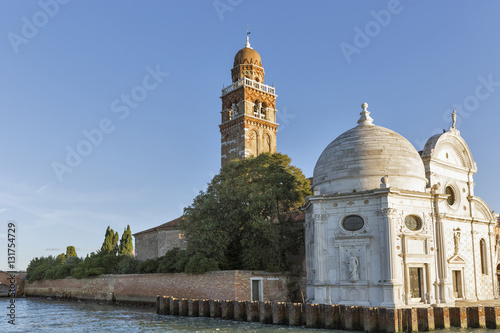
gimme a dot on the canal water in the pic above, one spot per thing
(45, 315)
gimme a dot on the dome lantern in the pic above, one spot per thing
(365, 118)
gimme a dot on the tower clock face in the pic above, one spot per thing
(413, 222)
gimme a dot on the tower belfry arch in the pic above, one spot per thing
(248, 117)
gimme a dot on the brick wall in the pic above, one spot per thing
(228, 285)
(5, 283)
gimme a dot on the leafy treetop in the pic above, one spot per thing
(244, 219)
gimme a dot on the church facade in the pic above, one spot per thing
(390, 226)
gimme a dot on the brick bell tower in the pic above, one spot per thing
(248, 126)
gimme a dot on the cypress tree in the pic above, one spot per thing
(116, 237)
(126, 247)
(107, 245)
(70, 251)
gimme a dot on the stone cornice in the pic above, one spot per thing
(260, 122)
(444, 164)
(231, 123)
(248, 120)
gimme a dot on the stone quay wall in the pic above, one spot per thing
(143, 288)
(352, 318)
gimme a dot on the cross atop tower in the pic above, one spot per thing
(248, 39)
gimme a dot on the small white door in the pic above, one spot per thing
(256, 290)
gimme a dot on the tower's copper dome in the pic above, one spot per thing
(247, 56)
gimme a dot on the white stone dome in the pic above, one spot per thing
(358, 159)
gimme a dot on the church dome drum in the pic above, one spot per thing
(369, 157)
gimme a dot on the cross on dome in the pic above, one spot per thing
(247, 44)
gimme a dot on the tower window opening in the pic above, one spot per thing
(264, 111)
(257, 109)
(234, 109)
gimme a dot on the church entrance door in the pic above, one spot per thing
(416, 284)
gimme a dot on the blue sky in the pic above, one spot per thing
(67, 67)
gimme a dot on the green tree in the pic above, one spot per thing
(61, 258)
(198, 264)
(126, 247)
(70, 252)
(116, 237)
(110, 241)
(38, 267)
(96, 264)
(148, 266)
(245, 218)
(127, 265)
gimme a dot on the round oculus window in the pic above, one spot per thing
(353, 223)
(451, 195)
(413, 222)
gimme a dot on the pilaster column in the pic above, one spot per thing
(388, 270)
(390, 215)
(320, 246)
(443, 282)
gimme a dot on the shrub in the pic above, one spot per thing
(199, 264)
(148, 266)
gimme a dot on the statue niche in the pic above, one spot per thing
(352, 263)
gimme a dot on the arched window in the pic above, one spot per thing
(255, 143)
(267, 144)
(256, 108)
(484, 257)
(263, 111)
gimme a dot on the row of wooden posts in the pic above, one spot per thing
(355, 318)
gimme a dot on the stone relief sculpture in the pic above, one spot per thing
(456, 239)
(353, 267)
